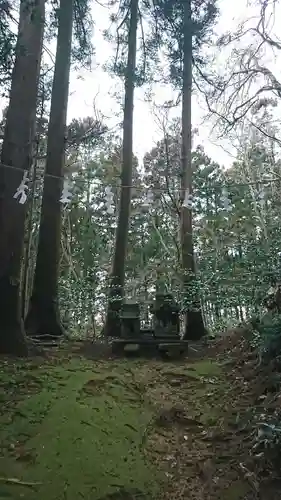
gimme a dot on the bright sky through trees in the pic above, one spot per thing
(99, 87)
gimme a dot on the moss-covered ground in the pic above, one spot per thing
(125, 429)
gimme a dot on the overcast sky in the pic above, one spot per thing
(99, 86)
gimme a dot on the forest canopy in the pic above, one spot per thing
(117, 226)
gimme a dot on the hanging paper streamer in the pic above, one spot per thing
(109, 200)
(148, 201)
(66, 192)
(225, 200)
(20, 193)
(188, 200)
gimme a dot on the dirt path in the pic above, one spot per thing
(125, 430)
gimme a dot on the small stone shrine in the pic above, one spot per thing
(163, 339)
(130, 320)
(166, 316)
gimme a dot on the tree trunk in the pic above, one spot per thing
(27, 266)
(28, 263)
(236, 311)
(194, 326)
(217, 310)
(241, 313)
(159, 286)
(116, 292)
(43, 316)
(17, 153)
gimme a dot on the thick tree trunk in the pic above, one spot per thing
(112, 327)
(194, 326)
(17, 153)
(43, 316)
(241, 313)
(217, 311)
(28, 264)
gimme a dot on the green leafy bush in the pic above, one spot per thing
(268, 442)
(267, 336)
(268, 435)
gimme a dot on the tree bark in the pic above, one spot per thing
(17, 154)
(43, 316)
(27, 271)
(194, 326)
(116, 292)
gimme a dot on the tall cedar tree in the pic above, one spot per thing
(116, 291)
(194, 324)
(43, 315)
(17, 153)
(184, 27)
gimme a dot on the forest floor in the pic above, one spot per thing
(73, 427)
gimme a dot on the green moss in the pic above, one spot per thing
(80, 435)
(205, 386)
(238, 490)
(196, 370)
(207, 368)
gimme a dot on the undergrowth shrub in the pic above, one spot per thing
(268, 442)
(267, 337)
